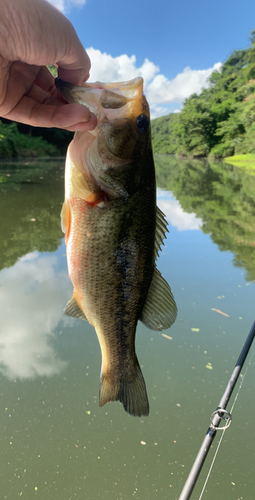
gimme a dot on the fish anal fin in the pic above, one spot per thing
(160, 310)
(161, 230)
(73, 309)
(130, 391)
(66, 219)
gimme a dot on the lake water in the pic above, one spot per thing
(56, 443)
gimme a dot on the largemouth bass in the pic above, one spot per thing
(113, 233)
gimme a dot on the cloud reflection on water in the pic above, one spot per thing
(175, 214)
(32, 296)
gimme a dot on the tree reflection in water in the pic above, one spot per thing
(222, 195)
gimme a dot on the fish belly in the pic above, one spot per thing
(111, 275)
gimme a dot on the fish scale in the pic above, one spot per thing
(113, 234)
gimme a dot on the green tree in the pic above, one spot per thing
(220, 121)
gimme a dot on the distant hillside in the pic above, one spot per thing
(162, 137)
(220, 121)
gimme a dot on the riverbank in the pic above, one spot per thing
(245, 162)
(14, 144)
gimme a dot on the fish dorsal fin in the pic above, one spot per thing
(73, 309)
(160, 310)
(161, 229)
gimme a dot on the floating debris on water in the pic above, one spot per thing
(220, 312)
(167, 336)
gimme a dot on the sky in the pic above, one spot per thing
(173, 45)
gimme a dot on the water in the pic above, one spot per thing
(56, 443)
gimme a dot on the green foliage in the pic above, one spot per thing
(161, 129)
(244, 161)
(14, 144)
(221, 120)
(53, 69)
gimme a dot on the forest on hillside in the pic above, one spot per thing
(220, 121)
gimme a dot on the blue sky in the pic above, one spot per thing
(174, 45)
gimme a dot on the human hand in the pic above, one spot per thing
(34, 34)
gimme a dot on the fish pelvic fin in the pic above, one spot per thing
(73, 309)
(129, 390)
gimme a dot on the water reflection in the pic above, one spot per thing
(56, 443)
(222, 196)
(32, 294)
(31, 196)
(175, 214)
(33, 290)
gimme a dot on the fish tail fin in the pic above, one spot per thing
(129, 390)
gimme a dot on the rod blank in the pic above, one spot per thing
(211, 432)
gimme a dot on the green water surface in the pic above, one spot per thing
(56, 443)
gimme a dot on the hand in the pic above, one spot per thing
(32, 34)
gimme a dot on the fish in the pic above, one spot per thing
(113, 233)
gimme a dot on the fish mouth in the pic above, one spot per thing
(127, 86)
(101, 95)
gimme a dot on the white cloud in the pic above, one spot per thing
(161, 90)
(161, 93)
(175, 214)
(66, 5)
(106, 68)
(32, 297)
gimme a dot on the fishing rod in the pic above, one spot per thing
(219, 414)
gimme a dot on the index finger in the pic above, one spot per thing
(75, 68)
(74, 65)
(47, 37)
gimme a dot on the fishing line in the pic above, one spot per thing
(225, 428)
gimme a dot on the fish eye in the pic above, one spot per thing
(142, 123)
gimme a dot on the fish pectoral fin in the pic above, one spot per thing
(161, 229)
(66, 219)
(73, 309)
(160, 310)
(63, 215)
(80, 186)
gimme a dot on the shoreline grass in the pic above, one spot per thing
(245, 162)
